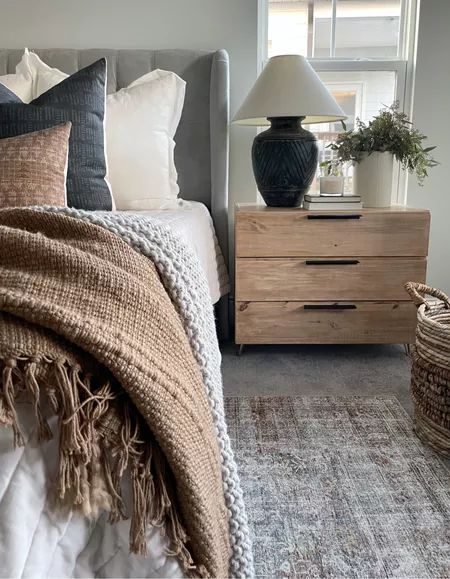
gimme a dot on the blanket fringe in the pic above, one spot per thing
(101, 437)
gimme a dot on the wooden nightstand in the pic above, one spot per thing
(320, 277)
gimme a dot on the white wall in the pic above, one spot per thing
(197, 24)
(432, 116)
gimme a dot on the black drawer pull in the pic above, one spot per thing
(329, 307)
(331, 262)
(336, 216)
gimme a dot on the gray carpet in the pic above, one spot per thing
(339, 486)
(317, 370)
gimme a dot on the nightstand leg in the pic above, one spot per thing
(240, 350)
(407, 349)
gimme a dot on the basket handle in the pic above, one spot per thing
(416, 289)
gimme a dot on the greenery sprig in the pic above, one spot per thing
(331, 168)
(390, 131)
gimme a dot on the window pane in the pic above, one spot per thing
(367, 28)
(363, 28)
(360, 94)
(288, 28)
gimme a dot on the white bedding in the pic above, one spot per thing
(38, 541)
(192, 221)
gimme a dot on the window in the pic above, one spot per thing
(335, 29)
(360, 49)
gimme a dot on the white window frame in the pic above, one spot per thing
(403, 66)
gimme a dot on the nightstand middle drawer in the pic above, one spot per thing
(309, 278)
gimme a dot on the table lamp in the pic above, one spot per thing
(287, 93)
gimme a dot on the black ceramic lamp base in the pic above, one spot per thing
(284, 162)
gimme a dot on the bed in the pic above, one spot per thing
(180, 371)
(192, 221)
(201, 154)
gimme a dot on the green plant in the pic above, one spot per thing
(331, 168)
(391, 132)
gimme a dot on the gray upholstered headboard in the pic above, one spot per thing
(201, 154)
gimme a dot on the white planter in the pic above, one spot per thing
(331, 185)
(372, 179)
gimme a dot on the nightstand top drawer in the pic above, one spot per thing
(277, 232)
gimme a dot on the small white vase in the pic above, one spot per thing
(372, 179)
(331, 185)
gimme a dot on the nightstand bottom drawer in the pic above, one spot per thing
(325, 322)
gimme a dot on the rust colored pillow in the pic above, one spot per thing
(33, 167)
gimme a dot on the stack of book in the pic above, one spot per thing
(332, 203)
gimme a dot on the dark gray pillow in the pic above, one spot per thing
(80, 99)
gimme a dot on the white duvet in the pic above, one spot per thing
(39, 541)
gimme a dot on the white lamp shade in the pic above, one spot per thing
(288, 87)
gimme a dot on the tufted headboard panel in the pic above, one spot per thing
(201, 154)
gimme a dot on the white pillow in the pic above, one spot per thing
(21, 83)
(44, 77)
(141, 122)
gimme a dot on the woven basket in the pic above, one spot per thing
(430, 376)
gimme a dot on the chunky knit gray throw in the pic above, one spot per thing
(185, 282)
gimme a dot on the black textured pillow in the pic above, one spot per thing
(79, 99)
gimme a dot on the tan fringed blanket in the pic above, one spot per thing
(87, 328)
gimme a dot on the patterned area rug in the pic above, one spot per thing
(340, 487)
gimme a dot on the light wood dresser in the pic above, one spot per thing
(319, 277)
